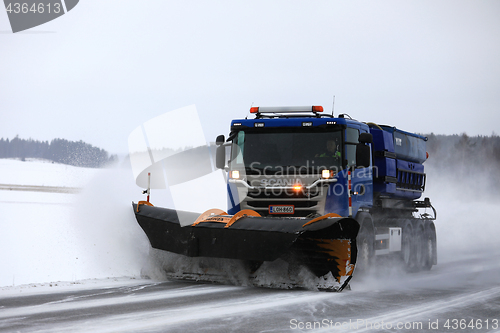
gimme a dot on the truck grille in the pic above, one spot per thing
(304, 203)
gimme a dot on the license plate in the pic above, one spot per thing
(281, 209)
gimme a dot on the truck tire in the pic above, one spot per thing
(408, 248)
(429, 247)
(421, 251)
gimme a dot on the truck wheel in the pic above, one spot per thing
(421, 250)
(429, 248)
(408, 249)
(365, 249)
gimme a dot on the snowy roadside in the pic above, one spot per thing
(30, 289)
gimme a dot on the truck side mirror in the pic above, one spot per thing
(220, 157)
(220, 140)
(365, 138)
(363, 156)
(220, 152)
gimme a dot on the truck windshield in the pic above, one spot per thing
(287, 151)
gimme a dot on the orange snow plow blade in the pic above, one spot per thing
(325, 246)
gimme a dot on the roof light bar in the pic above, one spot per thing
(286, 109)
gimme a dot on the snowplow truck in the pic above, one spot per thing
(307, 190)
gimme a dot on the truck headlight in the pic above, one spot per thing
(326, 174)
(235, 174)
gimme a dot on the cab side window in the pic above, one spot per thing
(351, 140)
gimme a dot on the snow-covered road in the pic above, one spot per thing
(416, 303)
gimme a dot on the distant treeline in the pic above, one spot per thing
(467, 158)
(79, 153)
(469, 153)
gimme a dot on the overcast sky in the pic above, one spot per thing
(106, 67)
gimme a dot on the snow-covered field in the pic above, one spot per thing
(44, 173)
(50, 237)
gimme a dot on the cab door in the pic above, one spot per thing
(361, 178)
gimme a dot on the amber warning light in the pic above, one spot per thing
(284, 109)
